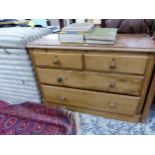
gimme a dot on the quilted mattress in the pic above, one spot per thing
(17, 80)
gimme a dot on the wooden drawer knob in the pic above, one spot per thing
(62, 98)
(113, 64)
(111, 104)
(56, 61)
(111, 84)
(59, 79)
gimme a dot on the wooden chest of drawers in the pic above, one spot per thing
(106, 80)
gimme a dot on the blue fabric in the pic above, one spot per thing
(42, 22)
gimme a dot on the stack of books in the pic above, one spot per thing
(101, 36)
(74, 33)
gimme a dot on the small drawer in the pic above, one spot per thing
(115, 62)
(57, 59)
(121, 104)
(109, 82)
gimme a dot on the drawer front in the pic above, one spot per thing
(122, 63)
(92, 100)
(58, 60)
(125, 84)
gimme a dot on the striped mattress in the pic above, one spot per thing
(17, 80)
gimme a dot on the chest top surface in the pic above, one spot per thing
(124, 42)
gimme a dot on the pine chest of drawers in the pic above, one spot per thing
(106, 80)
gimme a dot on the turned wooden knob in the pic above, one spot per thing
(111, 84)
(111, 104)
(113, 64)
(59, 79)
(62, 98)
(56, 61)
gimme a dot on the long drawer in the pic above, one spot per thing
(125, 84)
(92, 100)
(58, 59)
(121, 63)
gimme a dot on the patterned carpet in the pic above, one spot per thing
(35, 119)
(93, 125)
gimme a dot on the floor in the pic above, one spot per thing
(93, 125)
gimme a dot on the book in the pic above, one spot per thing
(78, 28)
(102, 34)
(67, 42)
(71, 38)
(71, 35)
(74, 33)
(101, 42)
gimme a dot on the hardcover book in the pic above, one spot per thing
(101, 42)
(78, 28)
(74, 33)
(102, 34)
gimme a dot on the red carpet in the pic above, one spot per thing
(35, 119)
